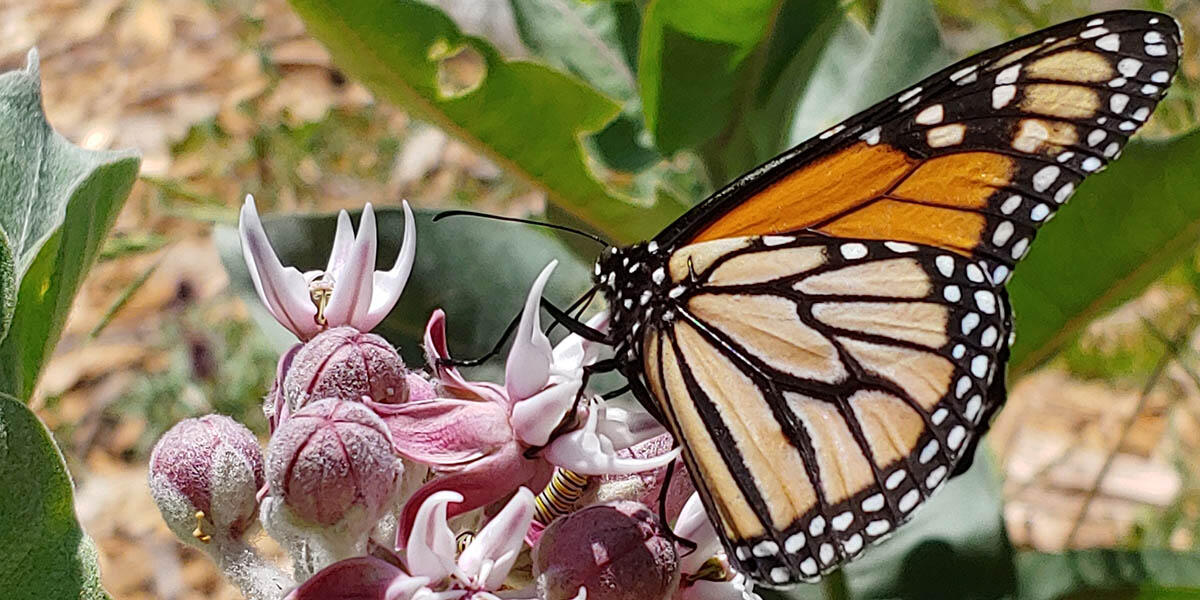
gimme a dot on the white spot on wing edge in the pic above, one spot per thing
(828, 133)
(1110, 42)
(945, 265)
(1008, 75)
(871, 137)
(906, 96)
(1129, 66)
(963, 72)
(1118, 102)
(931, 115)
(853, 250)
(946, 135)
(1002, 95)
(1045, 177)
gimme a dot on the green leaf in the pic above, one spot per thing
(582, 38)
(527, 117)
(57, 203)
(959, 531)
(43, 551)
(1109, 574)
(709, 72)
(1122, 230)
(859, 67)
(476, 270)
(8, 285)
(587, 39)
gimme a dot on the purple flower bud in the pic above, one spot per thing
(346, 364)
(331, 457)
(204, 474)
(618, 551)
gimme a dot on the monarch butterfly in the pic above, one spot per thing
(826, 336)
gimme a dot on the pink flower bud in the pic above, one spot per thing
(331, 457)
(204, 474)
(346, 364)
(618, 551)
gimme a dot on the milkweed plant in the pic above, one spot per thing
(387, 481)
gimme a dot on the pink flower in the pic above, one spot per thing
(433, 569)
(487, 440)
(348, 292)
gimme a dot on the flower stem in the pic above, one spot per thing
(256, 577)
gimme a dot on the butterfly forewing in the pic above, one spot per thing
(973, 159)
(823, 389)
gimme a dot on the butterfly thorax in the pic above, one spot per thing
(636, 286)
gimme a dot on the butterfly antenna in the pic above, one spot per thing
(471, 213)
(577, 307)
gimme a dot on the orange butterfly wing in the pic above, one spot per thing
(973, 159)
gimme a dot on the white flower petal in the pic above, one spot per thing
(528, 367)
(587, 453)
(430, 549)
(693, 525)
(353, 281)
(343, 238)
(283, 290)
(405, 588)
(535, 417)
(390, 284)
(625, 427)
(490, 556)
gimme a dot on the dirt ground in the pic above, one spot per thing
(162, 76)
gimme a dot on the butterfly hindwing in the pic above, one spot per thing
(823, 389)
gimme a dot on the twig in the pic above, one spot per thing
(123, 299)
(1159, 368)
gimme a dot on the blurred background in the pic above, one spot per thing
(1099, 447)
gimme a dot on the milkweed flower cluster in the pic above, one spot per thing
(394, 483)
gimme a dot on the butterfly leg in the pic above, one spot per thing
(479, 360)
(576, 326)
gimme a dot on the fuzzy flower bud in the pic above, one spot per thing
(617, 551)
(346, 364)
(333, 461)
(204, 474)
